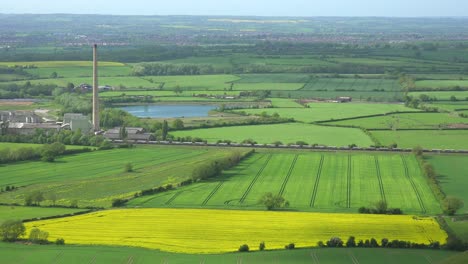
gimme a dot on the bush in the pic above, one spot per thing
(128, 167)
(261, 247)
(320, 244)
(11, 230)
(351, 242)
(452, 204)
(244, 248)
(118, 202)
(290, 246)
(335, 242)
(37, 236)
(60, 241)
(272, 201)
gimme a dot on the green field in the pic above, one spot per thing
(273, 78)
(405, 121)
(286, 133)
(449, 106)
(267, 86)
(451, 171)
(13, 253)
(441, 83)
(54, 64)
(94, 179)
(366, 96)
(195, 82)
(459, 225)
(21, 213)
(336, 182)
(73, 72)
(331, 111)
(6, 145)
(431, 139)
(285, 103)
(345, 84)
(443, 96)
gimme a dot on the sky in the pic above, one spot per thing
(387, 8)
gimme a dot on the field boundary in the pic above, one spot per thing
(379, 177)
(348, 200)
(317, 179)
(242, 199)
(415, 189)
(291, 168)
(367, 116)
(168, 202)
(216, 188)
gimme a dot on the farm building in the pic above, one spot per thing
(133, 133)
(344, 99)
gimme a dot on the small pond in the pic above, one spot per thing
(169, 111)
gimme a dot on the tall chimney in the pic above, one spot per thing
(95, 91)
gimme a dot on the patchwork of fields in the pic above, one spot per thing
(406, 121)
(185, 231)
(310, 182)
(94, 179)
(331, 111)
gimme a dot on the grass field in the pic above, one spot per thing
(344, 84)
(12, 253)
(185, 230)
(286, 133)
(166, 93)
(449, 106)
(431, 139)
(96, 184)
(4, 145)
(443, 96)
(21, 213)
(331, 182)
(364, 96)
(195, 82)
(451, 171)
(459, 225)
(406, 121)
(285, 103)
(267, 86)
(83, 71)
(273, 78)
(331, 111)
(441, 83)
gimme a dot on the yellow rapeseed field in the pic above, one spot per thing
(213, 231)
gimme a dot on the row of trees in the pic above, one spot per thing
(14, 90)
(47, 152)
(372, 243)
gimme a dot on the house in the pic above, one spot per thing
(133, 133)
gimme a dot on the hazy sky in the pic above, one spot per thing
(393, 8)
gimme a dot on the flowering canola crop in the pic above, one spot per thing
(216, 231)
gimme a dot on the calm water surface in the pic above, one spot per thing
(168, 111)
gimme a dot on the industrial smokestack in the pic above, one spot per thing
(95, 91)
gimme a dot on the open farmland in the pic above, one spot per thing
(83, 71)
(405, 121)
(285, 103)
(267, 86)
(185, 231)
(286, 133)
(430, 139)
(6, 145)
(310, 182)
(37, 254)
(331, 111)
(102, 178)
(21, 213)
